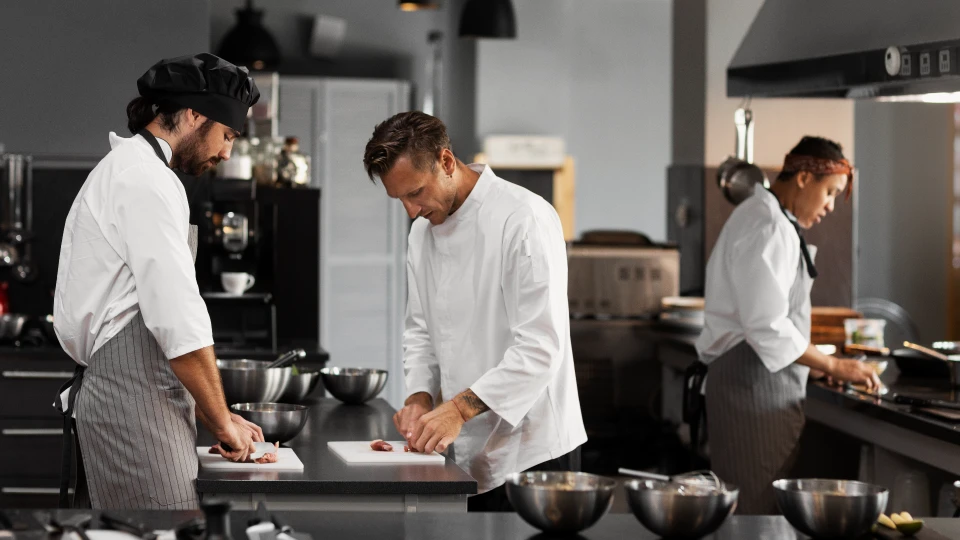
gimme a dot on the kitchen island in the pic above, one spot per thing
(479, 526)
(329, 483)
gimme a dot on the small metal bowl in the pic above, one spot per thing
(301, 385)
(675, 510)
(560, 502)
(353, 385)
(830, 508)
(249, 381)
(280, 422)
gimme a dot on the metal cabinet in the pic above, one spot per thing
(30, 428)
(363, 233)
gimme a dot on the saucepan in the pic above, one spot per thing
(738, 176)
(919, 361)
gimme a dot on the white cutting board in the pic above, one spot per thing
(287, 460)
(360, 452)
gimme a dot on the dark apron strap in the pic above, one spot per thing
(694, 404)
(155, 144)
(74, 385)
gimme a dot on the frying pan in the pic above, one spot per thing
(738, 176)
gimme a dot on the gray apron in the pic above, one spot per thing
(136, 423)
(755, 417)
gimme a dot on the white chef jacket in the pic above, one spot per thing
(748, 281)
(125, 249)
(487, 310)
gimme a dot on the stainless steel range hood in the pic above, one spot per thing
(879, 49)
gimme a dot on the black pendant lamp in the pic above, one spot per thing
(488, 19)
(417, 5)
(248, 43)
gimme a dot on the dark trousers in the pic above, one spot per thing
(496, 500)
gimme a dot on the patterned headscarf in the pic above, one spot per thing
(793, 164)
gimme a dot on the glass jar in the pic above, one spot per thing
(293, 168)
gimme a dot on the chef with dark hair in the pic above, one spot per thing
(127, 307)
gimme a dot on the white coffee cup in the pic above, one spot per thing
(236, 282)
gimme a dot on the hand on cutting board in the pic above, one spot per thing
(416, 406)
(239, 438)
(437, 429)
(856, 372)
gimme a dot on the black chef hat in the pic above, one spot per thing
(205, 83)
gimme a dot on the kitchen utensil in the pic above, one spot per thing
(11, 325)
(927, 351)
(912, 363)
(830, 508)
(866, 349)
(359, 452)
(287, 460)
(26, 271)
(287, 358)
(302, 384)
(923, 402)
(261, 449)
(353, 385)
(560, 502)
(248, 381)
(738, 176)
(951, 363)
(280, 422)
(694, 478)
(677, 510)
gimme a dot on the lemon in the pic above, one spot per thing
(910, 528)
(894, 517)
(906, 516)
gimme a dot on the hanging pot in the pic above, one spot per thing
(738, 176)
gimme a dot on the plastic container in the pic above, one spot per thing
(867, 332)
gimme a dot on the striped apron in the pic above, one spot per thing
(136, 423)
(755, 417)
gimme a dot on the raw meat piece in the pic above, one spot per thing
(380, 446)
(266, 458)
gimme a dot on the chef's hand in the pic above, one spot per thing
(254, 430)
(406, 418)
(437, 429)
(240, 440)
(856, 372)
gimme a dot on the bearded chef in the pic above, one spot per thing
(486, 345)
(127, 307)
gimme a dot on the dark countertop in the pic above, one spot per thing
(427, 526)
(325, 473)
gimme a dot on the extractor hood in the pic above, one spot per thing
(873, 49)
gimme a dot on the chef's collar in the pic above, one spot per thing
(773, 198)
(479, 192)
(167, 150)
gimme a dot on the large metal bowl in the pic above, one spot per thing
(673, 510)
(248, 381)
(353, 385)
(301, 385)
(280, 422)
(560, 502)
(830, 508)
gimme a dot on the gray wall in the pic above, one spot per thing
(381, 41)
(905, 153)
(598, 74)
(70, 68)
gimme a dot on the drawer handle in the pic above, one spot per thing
(37, 374)
(31, 432)
(31, 491)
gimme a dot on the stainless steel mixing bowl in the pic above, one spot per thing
(830, 508)
(560, 502)
(301, 385)
(280, 422)
(353, 385)
(674, 510)
(247, 381)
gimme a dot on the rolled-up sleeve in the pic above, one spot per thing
(152, 224)
(534, 285)
(420, 367)
(763, 267)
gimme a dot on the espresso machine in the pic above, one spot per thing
(272, 234)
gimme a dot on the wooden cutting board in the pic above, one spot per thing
(287, 460)
(359, 452)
